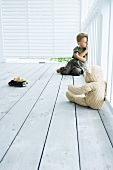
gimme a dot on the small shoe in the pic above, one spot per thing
(70, 96)
(58, 70)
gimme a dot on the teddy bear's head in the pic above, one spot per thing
(94, 74)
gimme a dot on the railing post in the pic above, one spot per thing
(2, 59)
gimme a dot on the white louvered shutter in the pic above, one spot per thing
(40, 28)
(66, 26)
(41, 38)
(15, 28)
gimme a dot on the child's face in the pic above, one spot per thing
(83, 43)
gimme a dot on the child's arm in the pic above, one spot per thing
(84, 52)
(82, 57)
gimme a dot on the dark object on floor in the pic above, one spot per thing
(17, 82)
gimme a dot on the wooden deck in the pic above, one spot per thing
(41, 130)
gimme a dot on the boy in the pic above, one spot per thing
(77, 65)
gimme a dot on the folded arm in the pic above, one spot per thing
(79, 90)
(83, 56)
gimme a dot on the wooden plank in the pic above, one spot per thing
(15, 72)
(29, 141)
(9, 68)
(3, 65)
(12, 122)
(105, 112)
(79, 81)
(61, 150)
(5, 78)
(95, 148)
(25, 73)
(12, 95)
(107, 119)
(7, 92)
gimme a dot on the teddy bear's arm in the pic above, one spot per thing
(79, 90)
(78, 100)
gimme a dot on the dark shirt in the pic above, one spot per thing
(77, 62)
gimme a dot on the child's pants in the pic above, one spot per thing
(71, 69)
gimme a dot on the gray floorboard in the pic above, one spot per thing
(41, 130)
(61, 150)
(95, 148)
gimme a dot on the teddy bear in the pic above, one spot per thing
(94, 89)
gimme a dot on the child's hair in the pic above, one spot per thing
(80, 36)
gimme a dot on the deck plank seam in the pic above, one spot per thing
(18, 69)
(104, 125)
(77, 137)
(24, 93)
(76, 120)
(25, 120)
(49, 125)
(105, 129)
(4, 72)
(19, 76)
(10, 75)
(37, 70)
(45, 72)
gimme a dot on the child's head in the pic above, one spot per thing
(82, 40)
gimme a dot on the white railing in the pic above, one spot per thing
(99, 25)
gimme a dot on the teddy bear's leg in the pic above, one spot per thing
(78, 100)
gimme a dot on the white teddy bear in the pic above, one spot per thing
(94, 89)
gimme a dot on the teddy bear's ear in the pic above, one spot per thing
(88, 69)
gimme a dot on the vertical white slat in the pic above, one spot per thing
(2, 59)
(94, 34)
(89, 45)
(92, 43)
(111, 88)
(97, 42)
(110, 58)
(105, 34)
(99, 36)
(110, 55)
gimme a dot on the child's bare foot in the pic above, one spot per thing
(58, 70)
